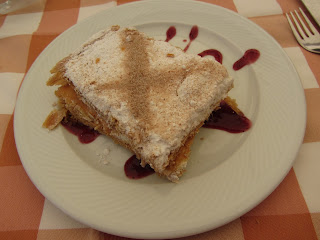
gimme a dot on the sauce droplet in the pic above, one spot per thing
(250, 56)
(212, 52)
(171, 32)
(134, 170)
(228, 120)
(84, 133)
(192, 36)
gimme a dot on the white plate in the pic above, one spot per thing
(228, 174)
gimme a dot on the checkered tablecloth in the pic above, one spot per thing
(291, 212)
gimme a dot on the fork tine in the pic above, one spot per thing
(313, 29)
(294, 31)
(301, 32)
(304, 27)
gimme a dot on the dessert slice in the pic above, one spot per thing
(147, 95)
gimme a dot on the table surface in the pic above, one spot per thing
(292, 211)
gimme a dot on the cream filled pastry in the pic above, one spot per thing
(147, 95)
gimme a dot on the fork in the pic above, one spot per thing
(308, 38)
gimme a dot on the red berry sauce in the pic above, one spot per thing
(84, 133)
(171, 32)
(192, 36)
(228, 120)
(250, 56)
(212, 52)
(134, 170)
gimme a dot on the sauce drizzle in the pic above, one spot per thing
(171, 32)
(212, 52)
(192, 36)
(134, 170)
(228, 120)
(250, 56)
(84, 133)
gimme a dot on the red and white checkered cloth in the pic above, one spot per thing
(291, 212)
